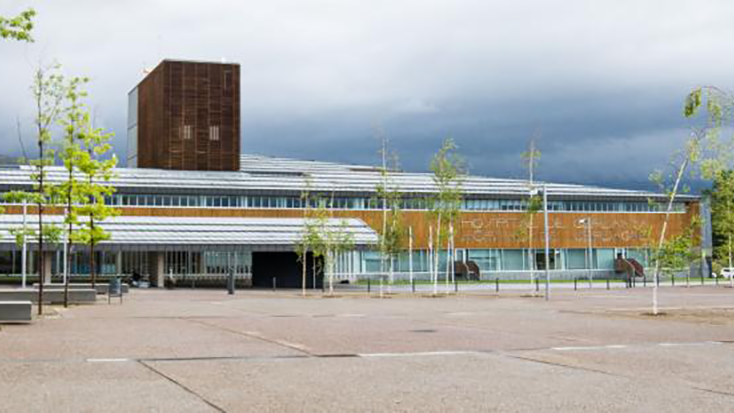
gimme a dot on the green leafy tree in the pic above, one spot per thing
(310, 239)
(448, 173)
(392, 236)
(702, 153)
(18, 27)
(48, 91)
(337, 240)
(93, 188)
(75, 122)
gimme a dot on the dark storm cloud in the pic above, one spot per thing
(600, 82)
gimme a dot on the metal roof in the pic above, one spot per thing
(178, 232)
(261, 174)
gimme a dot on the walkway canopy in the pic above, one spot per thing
(197, 234)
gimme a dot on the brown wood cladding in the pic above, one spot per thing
(178, 103)
(478, 229)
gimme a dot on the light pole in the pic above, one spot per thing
(547, 242)
(24, 253)
(590, 258)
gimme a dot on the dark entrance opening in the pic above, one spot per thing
(286, 269)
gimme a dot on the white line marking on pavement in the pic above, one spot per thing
(107, 360)
(623, 346)
(580, 348)
(419, 354)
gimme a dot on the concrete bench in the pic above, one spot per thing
(15, 312)
(102, 288)
(50, 296)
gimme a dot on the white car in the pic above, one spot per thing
(727, 272)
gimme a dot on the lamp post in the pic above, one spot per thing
(590, 258)
(547, 242)
(547, 239)
(24, 253)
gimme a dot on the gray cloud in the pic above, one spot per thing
(602, 82)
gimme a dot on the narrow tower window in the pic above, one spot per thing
(213, 133)
(187, 134)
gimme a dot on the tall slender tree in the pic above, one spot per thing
(448, 169)
(48, 92)
(94, 188)
(534, 204)
(702, 152)
(75, 121)
(390, 198)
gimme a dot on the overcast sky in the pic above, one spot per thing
(600, 82)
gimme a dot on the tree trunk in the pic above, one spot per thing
(678, 178)
(303, 281)
(331, 273)
(92, 269)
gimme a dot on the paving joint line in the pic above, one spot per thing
(256, 336)
(185, 388)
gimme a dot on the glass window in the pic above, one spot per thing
(576, 259)
(604, 258)
(512, 260)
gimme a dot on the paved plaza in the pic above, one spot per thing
(202, 350)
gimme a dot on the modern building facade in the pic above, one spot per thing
(188, 207)
(186, 116)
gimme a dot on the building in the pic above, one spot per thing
(186, 115)
(184, 216)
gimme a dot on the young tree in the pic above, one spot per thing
(393, 233)
(533, 206)
(75, 121)
(18, 27)
(310, 238)
(448, 170)
(703, 149)
(330, 240)
(93, 188)
(48, 91)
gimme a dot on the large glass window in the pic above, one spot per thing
(513, 260)
(576, 259)
(605, 258)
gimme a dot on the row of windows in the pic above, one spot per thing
(493, 260)
(187, 133)
(361, 203)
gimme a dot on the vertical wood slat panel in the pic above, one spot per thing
(176, 94)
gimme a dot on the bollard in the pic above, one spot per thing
(537, 284)
(456, 285)
(369, 285)
(701, 277)
(607, 282)
(230, 284)
(574, 283)
(644, 281)
(412, 282)
(497, 285)
(274, 284)
(672, 280)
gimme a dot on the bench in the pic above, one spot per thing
(102, 288)
(15, 312)
(50, 296)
